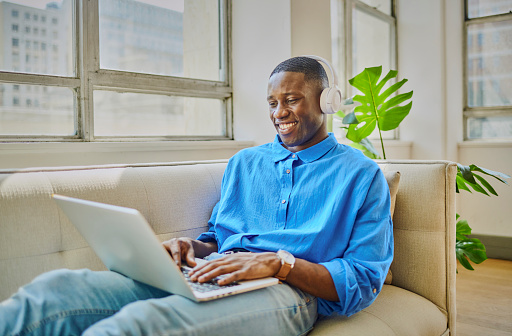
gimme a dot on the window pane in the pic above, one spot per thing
(19, 46)
(489, 64)
(492, 127)
(371, 42)
(382, 5)
(177, 38)
(135, 114)
(36, 110)
(371, 46)
(478, 8)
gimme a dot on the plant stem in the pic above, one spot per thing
(381, 143)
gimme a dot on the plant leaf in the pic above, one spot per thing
(463, 229)
(497, 175)
(486, 184)
(363, 149)
(465, 172)
(340, 114)
(461, 184)
(350, 119)
(370, 148)
(376, 109)
(476, 187)
(390, 119)
(473, 249)
(462, 259)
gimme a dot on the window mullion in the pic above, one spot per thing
(89, 63)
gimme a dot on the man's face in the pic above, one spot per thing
(294, 107)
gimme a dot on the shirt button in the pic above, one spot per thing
(287, 171)
(293, 156)
(374, 290)
(283, 201)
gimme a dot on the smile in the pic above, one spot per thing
(284, 127)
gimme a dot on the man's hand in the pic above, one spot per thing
(238, 266)
(186, 249)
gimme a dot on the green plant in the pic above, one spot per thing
(377, 109)
(467, 179)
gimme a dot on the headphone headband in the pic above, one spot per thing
(331, 97)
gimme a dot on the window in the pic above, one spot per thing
(15, 14)
(14, 27)
(145, 72)
(27, 16)
(364, 36)
(15, 42)
(488, 69)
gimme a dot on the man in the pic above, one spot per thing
(304, 208)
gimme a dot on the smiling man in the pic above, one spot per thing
(304, 208)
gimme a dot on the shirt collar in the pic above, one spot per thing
(307, 155)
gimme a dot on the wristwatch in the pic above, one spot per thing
(287, 263)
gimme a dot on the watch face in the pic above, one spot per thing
(286, 256)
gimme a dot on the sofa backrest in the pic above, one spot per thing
(177, 199)
(424, 230)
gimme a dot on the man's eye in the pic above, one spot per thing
(292, 101)
(272, 104)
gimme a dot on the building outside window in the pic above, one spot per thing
(146, 72)
(488, 69)
(364, 34)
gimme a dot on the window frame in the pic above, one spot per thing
(342, 23)
(89, 77)
(484, 111)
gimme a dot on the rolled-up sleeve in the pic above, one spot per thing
(360, 273)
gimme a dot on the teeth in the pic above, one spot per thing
(286, 126)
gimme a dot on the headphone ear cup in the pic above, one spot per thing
(330, 100)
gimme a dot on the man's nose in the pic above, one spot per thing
(280, 112)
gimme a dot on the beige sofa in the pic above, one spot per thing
(177, 199)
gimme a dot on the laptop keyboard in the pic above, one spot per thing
(205, 286)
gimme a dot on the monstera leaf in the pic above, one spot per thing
(467, 177)
(376, 109)
(468, 248)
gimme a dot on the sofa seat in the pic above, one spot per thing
(396, 311)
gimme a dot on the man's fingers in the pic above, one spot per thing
(211, 271)
(176, 254)
(191, 261)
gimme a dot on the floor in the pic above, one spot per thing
(484, 299)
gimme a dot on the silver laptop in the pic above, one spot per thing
(126, 244)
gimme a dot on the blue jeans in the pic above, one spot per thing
(84, 302)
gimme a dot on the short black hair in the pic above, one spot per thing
(312, 69)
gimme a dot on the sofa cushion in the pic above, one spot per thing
(396, 311)
(392, 178)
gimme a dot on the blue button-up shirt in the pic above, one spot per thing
(327, 204)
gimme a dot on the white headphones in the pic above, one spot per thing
(330, 99)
